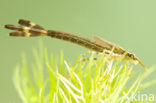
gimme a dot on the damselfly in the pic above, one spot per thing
(27, 28)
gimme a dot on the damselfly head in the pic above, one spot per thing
(133, 58)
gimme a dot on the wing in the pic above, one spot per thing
(103, 42)
(108, 45)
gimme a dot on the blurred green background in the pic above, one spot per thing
(129, 23)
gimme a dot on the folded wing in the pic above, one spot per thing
(108, 45)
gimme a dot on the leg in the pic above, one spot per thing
(87, 59)
(85, 54)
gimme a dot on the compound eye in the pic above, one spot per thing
(131, 55)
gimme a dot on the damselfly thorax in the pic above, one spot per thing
(27, 28)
